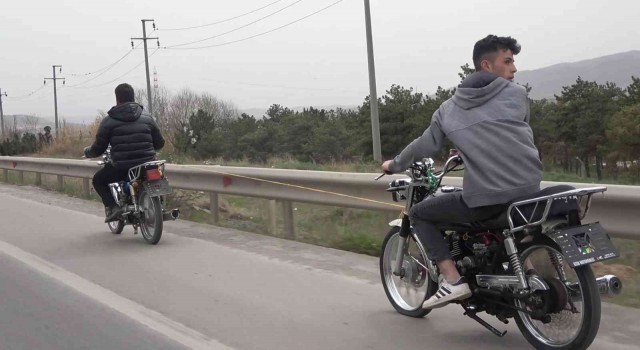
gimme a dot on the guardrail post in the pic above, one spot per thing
(272, 216)
(60, 183)
(20, 177)
(38, 179)
(5, 175)
(214, 207)
(289, 226)
(86, 190)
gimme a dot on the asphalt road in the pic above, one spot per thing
(66, 282)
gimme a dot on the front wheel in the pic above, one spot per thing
(572, 302)
(150, 217)
(116, 227)
(408, 290)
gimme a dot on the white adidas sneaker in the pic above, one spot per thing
(448, 293)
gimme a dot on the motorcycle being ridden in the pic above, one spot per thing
(530, 262)
(140, 198)
(133, 137)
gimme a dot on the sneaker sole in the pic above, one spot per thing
(442, 302)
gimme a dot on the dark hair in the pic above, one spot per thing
(125, 93)
(491, 44)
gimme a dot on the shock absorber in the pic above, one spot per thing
(514, 258)
(456, 251)
(558, 262)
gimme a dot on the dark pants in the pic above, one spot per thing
(101, 180)
(445, 208)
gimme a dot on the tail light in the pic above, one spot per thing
(153, 174)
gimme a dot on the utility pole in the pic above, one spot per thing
(146, 59)
(55, 93)
(373, 95)
(1, 113)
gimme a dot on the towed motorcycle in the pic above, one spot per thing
(531, 263)
(142, 199)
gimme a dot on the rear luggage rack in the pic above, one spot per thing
(578, 194)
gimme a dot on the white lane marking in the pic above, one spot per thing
(152, 319)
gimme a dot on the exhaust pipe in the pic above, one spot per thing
(170, 215)
(609, 286)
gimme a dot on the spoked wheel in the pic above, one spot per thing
(408, 290)
(116, 227)
(572, 303)
(150, 218)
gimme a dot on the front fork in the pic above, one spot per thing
(403, 237)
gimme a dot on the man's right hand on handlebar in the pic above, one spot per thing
(385, 167)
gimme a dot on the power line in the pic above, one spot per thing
(123, 75)
(236, 29)
(225, 20)
(24, 97)
(257, 35)
(105, 69)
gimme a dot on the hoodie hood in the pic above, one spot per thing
(126, 112)
(477, 89)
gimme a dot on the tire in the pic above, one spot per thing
(150, 217)
(417, 276)
(116, 227)
(590, 308)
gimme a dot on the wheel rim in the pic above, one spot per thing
(565, 324)
(113, 225)
(147, 216)
(410, 290)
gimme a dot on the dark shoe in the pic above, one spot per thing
(113, 213)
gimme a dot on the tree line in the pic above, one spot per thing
(589, 127)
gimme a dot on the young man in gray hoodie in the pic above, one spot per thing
(488, 121)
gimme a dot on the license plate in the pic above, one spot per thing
(157, 188)
(587, 244)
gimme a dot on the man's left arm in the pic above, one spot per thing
(158, 140)
(101, 143)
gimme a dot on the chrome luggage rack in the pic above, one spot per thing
(577, 194)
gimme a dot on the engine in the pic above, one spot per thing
(474, 252)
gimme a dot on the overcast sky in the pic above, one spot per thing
(318, 61)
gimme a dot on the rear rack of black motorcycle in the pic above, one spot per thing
(136, 171)
(534, 220)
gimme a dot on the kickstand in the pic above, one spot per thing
(475, 317)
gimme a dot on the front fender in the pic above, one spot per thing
(395, 223)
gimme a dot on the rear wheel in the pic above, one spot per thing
(414, 285)
(572, 302)
(150, 217)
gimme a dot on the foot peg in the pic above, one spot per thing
(472, 314)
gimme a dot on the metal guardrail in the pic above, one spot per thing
(617, 210)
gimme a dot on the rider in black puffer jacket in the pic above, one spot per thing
(134, 137)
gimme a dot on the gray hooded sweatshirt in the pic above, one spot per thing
(488, 121)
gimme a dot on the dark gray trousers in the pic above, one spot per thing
(445, 208)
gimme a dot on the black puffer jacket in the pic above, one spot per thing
(134, 136)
